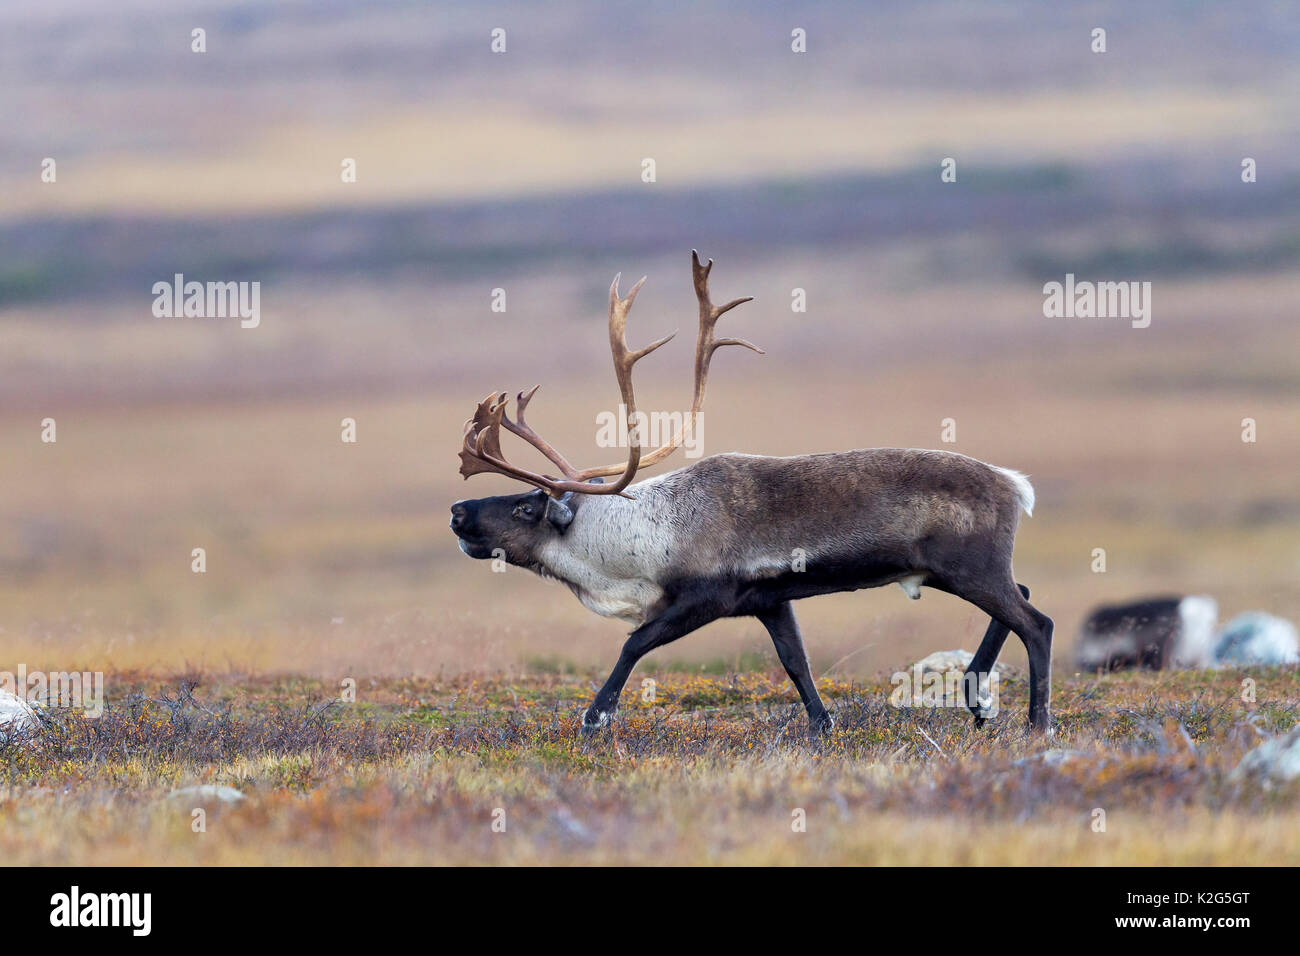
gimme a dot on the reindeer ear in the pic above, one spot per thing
(559, 513)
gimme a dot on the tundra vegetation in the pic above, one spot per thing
(711, 771)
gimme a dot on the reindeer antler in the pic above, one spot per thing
(705, 346)
(481, 450)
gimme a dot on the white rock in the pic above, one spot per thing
(1256, 639)
(207, 793)
(941, 662)
(1276, 759)
(19, 720)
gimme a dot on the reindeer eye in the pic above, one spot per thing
(523, 511)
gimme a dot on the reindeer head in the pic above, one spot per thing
(517, 523)
(513, 526)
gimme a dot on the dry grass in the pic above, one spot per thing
(710, 772)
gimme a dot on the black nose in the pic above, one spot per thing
(459, 515)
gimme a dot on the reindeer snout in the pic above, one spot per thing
(459, 516)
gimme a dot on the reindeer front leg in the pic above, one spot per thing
(684, 616)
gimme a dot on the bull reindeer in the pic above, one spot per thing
(718, 538)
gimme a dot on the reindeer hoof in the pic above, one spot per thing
(594, 720)
(984, 710)
(1042, 725)
(821, 725)
(982, 705)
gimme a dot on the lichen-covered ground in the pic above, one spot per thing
(717, 769)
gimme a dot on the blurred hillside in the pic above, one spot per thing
(521, 171)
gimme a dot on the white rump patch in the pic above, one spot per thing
(1194, 647)
(1024, 490)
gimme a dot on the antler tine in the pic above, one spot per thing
(524, 431)
(625, 357)
(706, 344)
(481, 445)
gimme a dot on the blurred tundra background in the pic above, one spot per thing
(522, 171)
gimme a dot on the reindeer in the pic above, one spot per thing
(719, 538)
(1155, 634)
